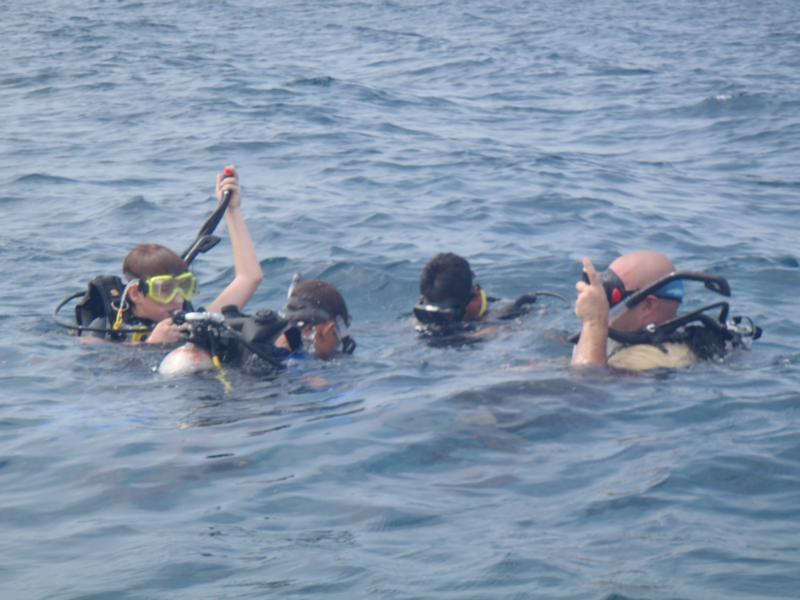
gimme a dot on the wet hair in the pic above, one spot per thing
(323, 295)
(447, 279)
(147, 260)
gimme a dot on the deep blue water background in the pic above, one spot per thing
(369, 136)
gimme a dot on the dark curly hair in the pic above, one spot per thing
(447, 279)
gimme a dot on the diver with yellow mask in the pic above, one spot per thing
(160, 284)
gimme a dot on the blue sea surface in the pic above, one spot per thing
(369, 136)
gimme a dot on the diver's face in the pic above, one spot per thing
(629, 321)
(147, 308)
(640, 316)
(323, 337)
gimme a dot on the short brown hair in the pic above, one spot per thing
(323, 295)
(147, 260)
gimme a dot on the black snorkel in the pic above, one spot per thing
(655, 334)
(445, 318)
(715, 283)
(205, 240)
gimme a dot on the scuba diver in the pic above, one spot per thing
(318, 320)
(160, 284)
(630, 321)
(453, 305)
(314, 323)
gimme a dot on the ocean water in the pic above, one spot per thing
(370, 136)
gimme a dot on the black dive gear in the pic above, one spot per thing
(445, 318)
(715, 283)
(445, 315)
(97, 311)
(706, 335)
(522, 305)
(612, 284)
(205, 241)
(709, 336)
(616, 292)
(236, 339)
(440, 314)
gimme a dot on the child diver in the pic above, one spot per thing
(159, 283)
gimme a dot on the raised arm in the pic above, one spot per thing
(248, 274)
(592, 309)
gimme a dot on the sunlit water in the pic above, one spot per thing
(369, 136)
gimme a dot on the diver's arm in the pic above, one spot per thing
(592, 309)
(247, 268)
(591, 348)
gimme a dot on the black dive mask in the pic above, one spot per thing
(441, 314)
(613, 285)
(301, 313)
(670, 289)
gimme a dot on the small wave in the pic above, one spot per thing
(135, 205)
(384, 34)
(728, 104)
(232, 148)
(622, 71)
(42, 76)
(377, 218)
(452, 67)
(323, 81)
(43, 91)
(43, 178)
(150, 25)
(778, 184)
(125, 182)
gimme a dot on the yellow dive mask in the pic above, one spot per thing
(165, 288)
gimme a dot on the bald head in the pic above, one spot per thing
(639, 269)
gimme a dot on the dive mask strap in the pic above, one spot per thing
(484, 302)
(348, 344)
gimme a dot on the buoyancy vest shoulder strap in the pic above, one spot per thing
(707, 336)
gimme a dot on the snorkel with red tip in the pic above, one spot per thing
(205, 240)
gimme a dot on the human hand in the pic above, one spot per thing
(592, 304)
(167, 332)
(228, 181)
